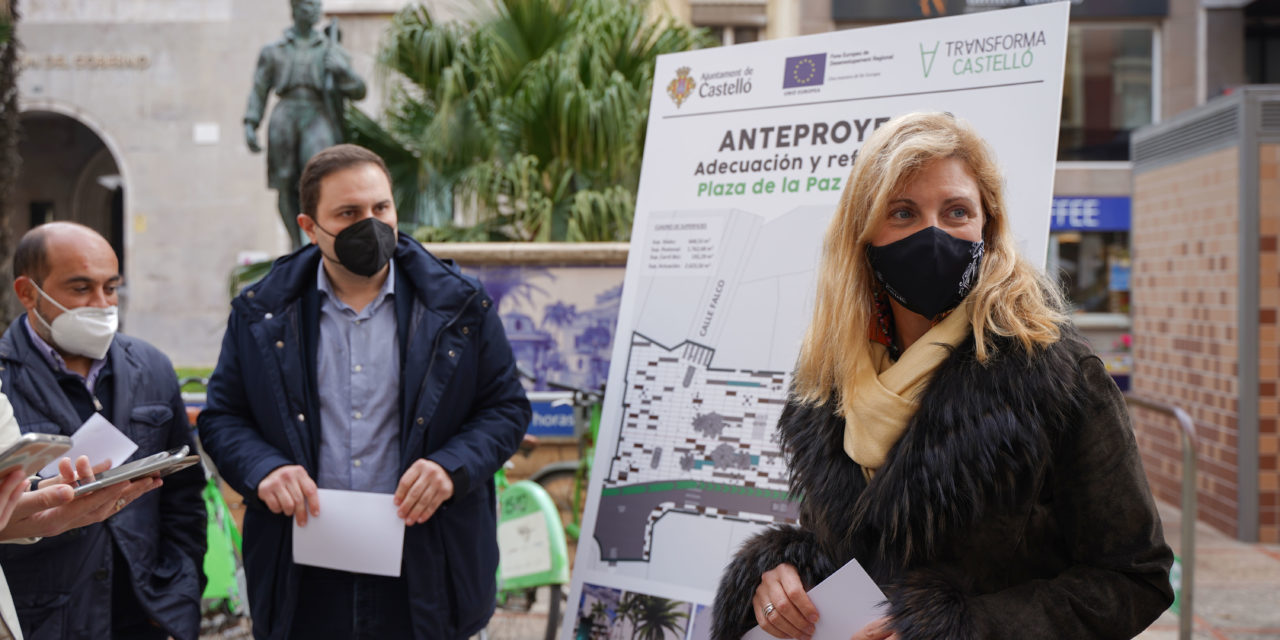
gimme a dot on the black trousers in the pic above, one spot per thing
(339, 604)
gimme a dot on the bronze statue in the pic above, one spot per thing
(311, 75)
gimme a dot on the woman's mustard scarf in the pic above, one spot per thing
(888, 393)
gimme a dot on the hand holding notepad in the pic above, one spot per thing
(846, 601)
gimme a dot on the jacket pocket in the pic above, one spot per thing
(150, 424)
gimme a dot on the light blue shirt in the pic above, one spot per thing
(358, 374)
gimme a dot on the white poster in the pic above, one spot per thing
(747, 152)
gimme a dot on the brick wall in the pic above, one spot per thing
(1185, 271)
(1269, 343)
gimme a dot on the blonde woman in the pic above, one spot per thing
(948, 429)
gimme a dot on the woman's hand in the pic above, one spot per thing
(782, 607)
(876, 630)
(12, 486)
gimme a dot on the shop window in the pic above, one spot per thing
(1093, 268)
(1108, 91)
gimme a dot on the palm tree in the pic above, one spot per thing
(559, 314)
(9, 159)
(534, 115)
(626, 613)
(653, 617)
(599, 617)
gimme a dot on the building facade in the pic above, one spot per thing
(132, 124)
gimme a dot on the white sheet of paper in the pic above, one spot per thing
(98, 439)
(847, 600)
(356, 531)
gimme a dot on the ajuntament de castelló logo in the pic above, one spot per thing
(681, 87)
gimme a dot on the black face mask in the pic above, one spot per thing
(929, 271)
(365, 247)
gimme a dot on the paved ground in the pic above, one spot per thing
(1237, 591)
(216, 626)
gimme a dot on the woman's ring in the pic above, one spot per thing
(768, 609)
(120, 504)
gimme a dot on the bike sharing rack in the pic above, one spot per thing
(1190, 450)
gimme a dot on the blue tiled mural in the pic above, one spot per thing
(559, 320)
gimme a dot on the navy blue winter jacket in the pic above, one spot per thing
(62, 585)
(461, 405)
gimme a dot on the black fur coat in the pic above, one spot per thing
(1014, 506)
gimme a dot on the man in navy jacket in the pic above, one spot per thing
(138, 574)
(362, 362)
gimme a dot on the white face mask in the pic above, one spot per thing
(84, 331)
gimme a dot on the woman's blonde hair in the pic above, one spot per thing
(1011, 298)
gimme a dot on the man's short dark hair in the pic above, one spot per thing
(333, 159)
(30, 258)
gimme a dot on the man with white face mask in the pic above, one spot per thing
(137, 574)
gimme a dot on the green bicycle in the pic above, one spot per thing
(533, 569)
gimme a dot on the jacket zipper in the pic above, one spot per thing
(310, 448)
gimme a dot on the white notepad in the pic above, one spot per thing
(847, 600)
(356, 531)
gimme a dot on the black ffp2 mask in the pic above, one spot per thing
(929, 271)
(365, 247)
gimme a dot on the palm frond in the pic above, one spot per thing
(601, 216)
(534, 112)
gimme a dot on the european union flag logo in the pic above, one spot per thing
(804, 71)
